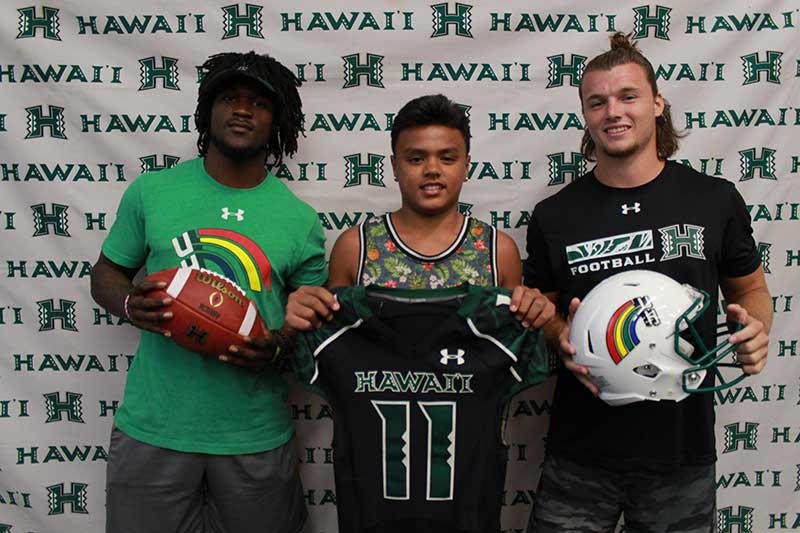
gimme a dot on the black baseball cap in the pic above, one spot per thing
(242, 65)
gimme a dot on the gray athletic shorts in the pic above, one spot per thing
(155, 490)
(576, 498)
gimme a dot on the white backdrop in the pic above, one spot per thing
(93, 92)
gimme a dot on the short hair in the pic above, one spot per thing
(431, 110)
(622, 52)
(279, 82)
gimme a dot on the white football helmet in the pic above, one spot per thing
(627, 332)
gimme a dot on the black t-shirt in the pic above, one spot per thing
(418, 382)
(686, 225)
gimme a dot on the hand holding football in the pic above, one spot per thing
(210, 312)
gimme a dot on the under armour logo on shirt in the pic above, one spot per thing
(226, 213)
(625, 208)
(458, 357)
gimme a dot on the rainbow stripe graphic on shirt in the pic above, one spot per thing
(621, 337)
(232, 254)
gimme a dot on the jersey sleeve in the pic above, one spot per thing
(536, 269)
(541, 366)
(126, 244)
(532, 361)
(311, 267)
(303, 362)
(308, 344)
(740, 255)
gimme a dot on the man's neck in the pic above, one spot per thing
(628, 172)
(427, 234)
(237, 174)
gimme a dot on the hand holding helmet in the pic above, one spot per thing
(566, 351)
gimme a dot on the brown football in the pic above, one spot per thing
(209, 311)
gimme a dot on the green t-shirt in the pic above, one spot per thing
(265, 239)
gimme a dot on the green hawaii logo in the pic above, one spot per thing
(682, 240)
(559, 69)
(356, 169)
(755, 68)
(737, 437)
(58, 499)
(644, 20)
(56, 408)
(559, 167)
(64, 314)
(750, 163)
(166, 71)
(37, 122)
(460, 20)
(234, 20)
(55, 221)
(741, 520)
(30, 23)
(349, 21)
(371, 70)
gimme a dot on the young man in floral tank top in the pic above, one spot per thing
(427, 243)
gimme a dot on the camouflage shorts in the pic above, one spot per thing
(575, 498)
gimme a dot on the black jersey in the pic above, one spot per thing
(684, 224)
(418, 382)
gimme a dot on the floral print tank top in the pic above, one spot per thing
(387, 261)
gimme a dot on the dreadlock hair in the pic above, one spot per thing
(431, 110)
(287, 123)
(622, 52)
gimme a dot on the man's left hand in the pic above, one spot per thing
(531, 307)
(256, 352)
(752, 342)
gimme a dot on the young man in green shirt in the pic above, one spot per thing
(203, 443)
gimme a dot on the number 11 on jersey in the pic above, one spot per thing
(396, 452)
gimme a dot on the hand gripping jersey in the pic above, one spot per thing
(418, 382)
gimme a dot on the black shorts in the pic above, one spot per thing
(576, 498)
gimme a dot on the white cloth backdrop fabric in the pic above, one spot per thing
(92, 93)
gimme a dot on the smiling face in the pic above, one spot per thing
(620, 111)
(430, 164)
(241, 120)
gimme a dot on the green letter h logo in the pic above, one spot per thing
(443, 19)
(643, 21)
(735, 436)
(232, 20)
(48, 23)
(355, 169)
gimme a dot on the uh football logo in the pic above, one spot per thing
(621, 336)
(232, 254)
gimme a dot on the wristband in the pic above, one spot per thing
(125, 307)
(276, 356)
(283, 345)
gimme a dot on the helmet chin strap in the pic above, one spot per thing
(686, 348)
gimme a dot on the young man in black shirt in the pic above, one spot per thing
(652, 461)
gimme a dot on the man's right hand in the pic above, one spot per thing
(308, 306)
(566, 351)
(148, 313)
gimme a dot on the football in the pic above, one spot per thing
(209, 311)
